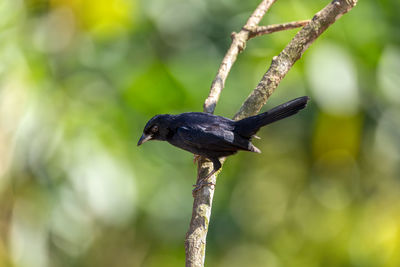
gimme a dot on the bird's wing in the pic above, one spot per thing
(212, 138)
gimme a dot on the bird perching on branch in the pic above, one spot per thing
(212, 136)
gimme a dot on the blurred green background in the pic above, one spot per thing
(80, 78)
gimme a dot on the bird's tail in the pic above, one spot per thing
(249, 126)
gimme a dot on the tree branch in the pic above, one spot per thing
(261, 30)
(282, 63)
(195, 242)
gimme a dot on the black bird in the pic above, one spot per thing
(214, 136)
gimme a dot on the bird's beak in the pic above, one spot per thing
(144, 138)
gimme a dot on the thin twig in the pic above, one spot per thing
(195, 242)
(261, 30)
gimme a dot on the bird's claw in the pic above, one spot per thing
(200, 185)
(203, 184)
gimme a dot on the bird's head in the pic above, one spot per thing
(157, 128)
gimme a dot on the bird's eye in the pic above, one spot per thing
(154, 129)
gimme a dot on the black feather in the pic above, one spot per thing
(249, 126)
(214, 136)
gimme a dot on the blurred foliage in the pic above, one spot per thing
(79, 79)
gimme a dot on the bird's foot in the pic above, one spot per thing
(196, 158)
(201, 182)
(200, 185)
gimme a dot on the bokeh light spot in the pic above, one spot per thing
(333, 79)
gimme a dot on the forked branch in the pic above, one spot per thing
(238, 44)
(195, 242)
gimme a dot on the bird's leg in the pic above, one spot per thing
(202, 182)
(196, 158)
